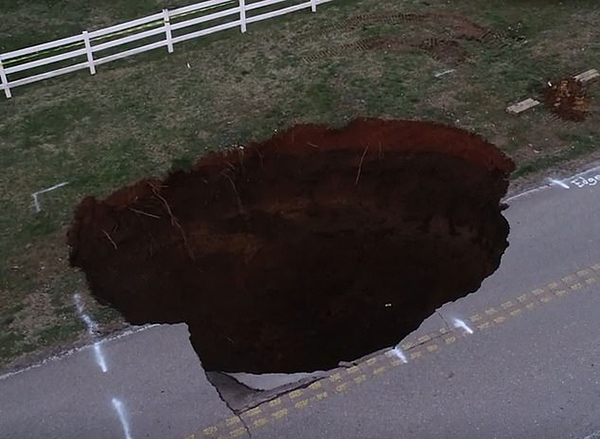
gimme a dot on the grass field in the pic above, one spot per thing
(146, 114)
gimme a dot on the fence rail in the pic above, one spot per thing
(89, 49)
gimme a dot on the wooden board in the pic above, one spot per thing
(522, 106)
(588, 75)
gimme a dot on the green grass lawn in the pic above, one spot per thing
(146, 114)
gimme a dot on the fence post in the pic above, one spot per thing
(243, 15)
(4, 81)
(168, 34)
(88, 51)
(313, 5)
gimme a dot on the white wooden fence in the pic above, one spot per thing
(167, 28)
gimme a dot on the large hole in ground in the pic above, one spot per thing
(317, 246)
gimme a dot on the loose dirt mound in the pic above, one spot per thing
(316, 246)
(568, 99)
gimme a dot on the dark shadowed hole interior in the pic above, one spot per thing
(317, 246)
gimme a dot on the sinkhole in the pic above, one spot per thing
(317, 246)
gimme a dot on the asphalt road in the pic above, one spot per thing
(519, 358)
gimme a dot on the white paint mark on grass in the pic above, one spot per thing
(458, 323)
(36, 201)
(558, 183)
(398, 353)
(445, 72)
(118, 405)
(92, 326)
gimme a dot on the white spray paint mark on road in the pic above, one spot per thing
(458, 323)
(398, 353)
(36, 201)
(581, 182)
(100, 357)
(558, 183)
(92, 328)
(118, 405)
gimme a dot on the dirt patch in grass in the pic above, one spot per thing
(317, 246)
(445, 47)
(568, 99)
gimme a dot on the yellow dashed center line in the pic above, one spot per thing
(296, 393)
(431, 343)
(353, 369)
(233, 421)
(341, 388)
(237, 432)
(415, 354)
(450, 340)
(275, 403)
(301, 404)
(321, 396)
(280, 413)
(314, 386)
(335, 377)
(260, 422)
(360, 379)
(254, 412)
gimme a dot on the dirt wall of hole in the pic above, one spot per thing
(317, 246)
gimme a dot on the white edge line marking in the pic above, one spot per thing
(70, 352)
(546, 186)
(118, 405)
(458, 323)
(528, 192)
(558, 183)
(594, 169)
(36, 201)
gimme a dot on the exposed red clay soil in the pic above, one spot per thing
(316, 246)
(568, 99)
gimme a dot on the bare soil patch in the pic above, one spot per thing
(568, 99)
